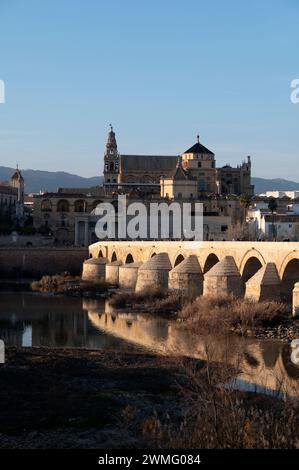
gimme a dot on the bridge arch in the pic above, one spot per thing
(129, 259)
(210, 262)
(153, 253)
(251, 263)
(289, 274)
(178, 259)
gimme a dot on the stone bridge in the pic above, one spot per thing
(249, 256)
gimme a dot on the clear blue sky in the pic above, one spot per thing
(160, 70)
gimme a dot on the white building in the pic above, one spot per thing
(283, 225)
(281, 194)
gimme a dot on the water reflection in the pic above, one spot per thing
(34, 320)
(264, 365)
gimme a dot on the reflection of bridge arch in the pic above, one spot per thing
(289, 274)
(260, 364)
(211, 260)
(251, 262)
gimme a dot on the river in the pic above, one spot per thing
(34, 320)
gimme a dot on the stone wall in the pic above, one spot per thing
(35, 262)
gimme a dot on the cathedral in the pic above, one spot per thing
(191, 175)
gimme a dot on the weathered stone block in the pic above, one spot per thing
(154, 273)
(94, 269)
(224, 279)
(128, 275)
(187, 278)
(112, 272)
(264, 285)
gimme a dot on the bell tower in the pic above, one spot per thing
(111, 160)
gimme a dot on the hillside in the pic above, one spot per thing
(262, 185)
(37, 180)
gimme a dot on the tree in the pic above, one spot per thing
(245, 200)
(272, 205)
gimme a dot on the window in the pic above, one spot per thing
(80, 206)
(202, 185)
(63, 206)
(199, 164)
(46, 205)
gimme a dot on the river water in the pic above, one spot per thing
(29, 320)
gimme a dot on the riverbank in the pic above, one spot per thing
(242, 317)
(265, 320)
(72, 398)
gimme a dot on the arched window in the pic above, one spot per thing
(63, 206)
(46, 205)
(111, 166)
(80, 206)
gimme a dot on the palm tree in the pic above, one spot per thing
(273, 208)
(246, 202)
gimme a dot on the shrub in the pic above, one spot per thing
(215, 415)
(227, 313)
(153, 301)
(65, 283)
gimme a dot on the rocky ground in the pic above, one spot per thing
(70, 398)
(80, 399)
(285, 332)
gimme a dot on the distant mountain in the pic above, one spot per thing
(262, 185)
(36, 180)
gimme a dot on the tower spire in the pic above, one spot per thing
(111, 142)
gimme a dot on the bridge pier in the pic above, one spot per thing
(264, 285)
(296, 301)
(224, 279)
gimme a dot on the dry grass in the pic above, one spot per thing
(228, 313)
(217, 416)
(153, 301)
(66, 284)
